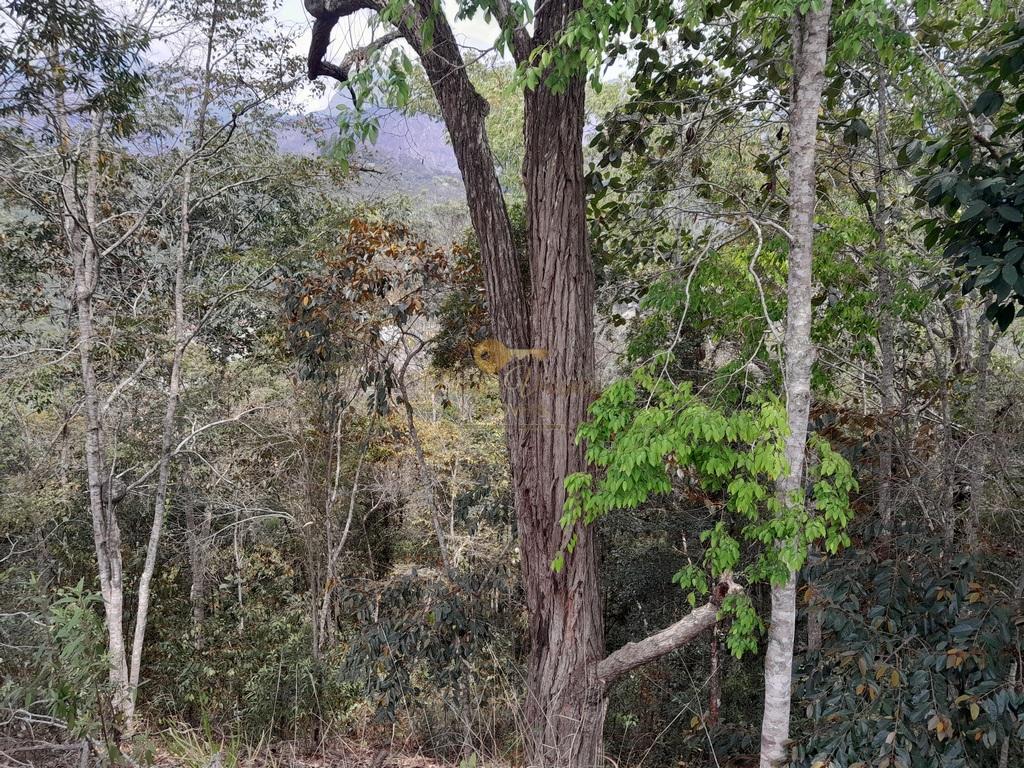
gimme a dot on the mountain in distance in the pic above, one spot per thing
(411, 157)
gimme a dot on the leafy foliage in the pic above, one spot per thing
(308, 600)
(914, 666)
(976, 181)
(74, 44)
(643, 432)
(375, 276)
(423, 632)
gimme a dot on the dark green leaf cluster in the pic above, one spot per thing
(914, 666)
(424, 632)
(975, 182)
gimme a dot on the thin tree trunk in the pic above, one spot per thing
(198, 534)
(426, 474)
(715, 680)
(323, 635)
(885, 323)
(164, 471)
(178, 333)
(810, 43)
(815, 611)
(977, 455)
(238, 535)
(79, 221)
(947, 480)
(960, 337)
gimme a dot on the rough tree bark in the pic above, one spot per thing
(545, 401)
(810, 44)
(566, 704)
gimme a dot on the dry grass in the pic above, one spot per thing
(35, 751)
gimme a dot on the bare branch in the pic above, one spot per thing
(126, 382)
(180, 447)
(353, 58)
(326, 14)
(633, 655)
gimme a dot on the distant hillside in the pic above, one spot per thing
(411, 157)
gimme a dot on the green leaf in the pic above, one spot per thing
(1010, 213)
(1004, 316)
(974, 208)
(1009, 274)
(987, 103)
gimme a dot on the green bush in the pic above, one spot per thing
(914, 664)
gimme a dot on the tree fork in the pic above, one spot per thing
(545, 401)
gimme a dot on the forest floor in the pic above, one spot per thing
(24, 752)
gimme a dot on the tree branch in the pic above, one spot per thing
(464, 111)
(326, 14)
(633, 655)
(522, 43)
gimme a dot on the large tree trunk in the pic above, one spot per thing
(566, 704)
(545, 400)
(810, 43)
